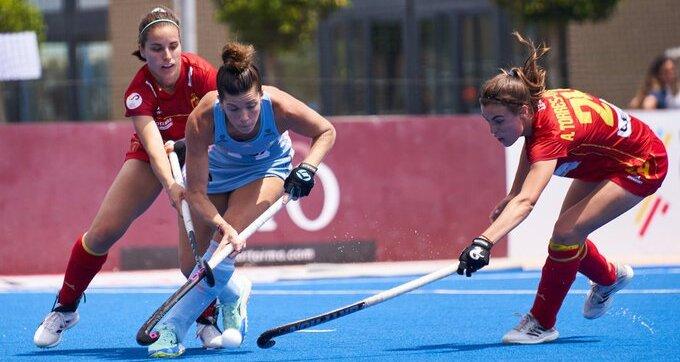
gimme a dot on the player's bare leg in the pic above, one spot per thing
(583, 213)
(131, 193)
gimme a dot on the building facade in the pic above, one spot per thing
(374, 57)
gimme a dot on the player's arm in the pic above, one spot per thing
(537, 177)
(520, 176)
(151, 139)
(199, 136)
(477, 254)
(292, 114)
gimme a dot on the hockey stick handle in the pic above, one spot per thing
(266, 339)
(223, 252)
(186, 213)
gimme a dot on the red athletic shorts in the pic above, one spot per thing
(136, 150)
(646, 179)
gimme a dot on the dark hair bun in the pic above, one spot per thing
(237, 57)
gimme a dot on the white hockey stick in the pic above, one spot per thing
(266, 338)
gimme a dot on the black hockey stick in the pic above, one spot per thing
(266, 339)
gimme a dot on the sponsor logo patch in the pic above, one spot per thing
(164, 124)
(133, 101)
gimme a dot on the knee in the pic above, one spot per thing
(186, 263)
(100, 240)
(565, 233)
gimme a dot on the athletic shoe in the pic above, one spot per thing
(208, 332)
(600, 297)
(167, 345)
(61, 318)
(529, 331)
(235, 315)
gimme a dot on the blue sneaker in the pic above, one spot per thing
(167, 345)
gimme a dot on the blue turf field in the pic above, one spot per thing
(453, 319)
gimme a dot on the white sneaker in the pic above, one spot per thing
(209, 334)
(529, 331)
(600, 297)
(235, 317)
(50, 330)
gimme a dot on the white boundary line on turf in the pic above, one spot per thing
(285, 292)
(314, 274)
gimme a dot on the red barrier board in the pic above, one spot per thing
(392, 188)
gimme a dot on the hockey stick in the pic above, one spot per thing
(266, 339)
(145, 336)
(186, 213)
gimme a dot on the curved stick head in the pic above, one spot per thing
(144, 338)
(264, 342)
(209, 277)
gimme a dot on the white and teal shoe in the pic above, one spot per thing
(235, 318)
(167, 345)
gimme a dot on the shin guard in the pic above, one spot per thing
(595, 267)
(82, 266)
(557, 276)
(185, 312)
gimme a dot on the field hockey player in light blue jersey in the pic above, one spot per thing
(238, 164)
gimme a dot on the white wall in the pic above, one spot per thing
(621, 239)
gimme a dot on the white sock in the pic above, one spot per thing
(233, 290)
(185, 312)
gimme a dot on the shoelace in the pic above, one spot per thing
(167, 336)
(55, 322)
(523, 322)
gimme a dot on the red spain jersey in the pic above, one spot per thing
(594, 140)
(144, 97)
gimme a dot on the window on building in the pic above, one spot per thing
(45, 98)
(387, 68)
(49, 5)
(92, 4)
(93, 80)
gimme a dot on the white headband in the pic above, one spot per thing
(156, 22)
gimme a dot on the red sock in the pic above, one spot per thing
(209, 313)
(557, 276)
(596, 267)
(81, 269)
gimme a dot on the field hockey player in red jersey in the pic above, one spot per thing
(158, 100)
(614, 159)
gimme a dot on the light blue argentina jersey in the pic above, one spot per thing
(234, 164)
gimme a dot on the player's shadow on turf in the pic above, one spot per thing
(127, 354)
(461, 347)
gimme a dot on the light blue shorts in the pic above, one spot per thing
(227, 175)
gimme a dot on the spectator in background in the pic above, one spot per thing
(660, 88)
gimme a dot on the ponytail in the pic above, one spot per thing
(520, 85)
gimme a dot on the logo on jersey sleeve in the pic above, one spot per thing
(625, 126)
(133, 101)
